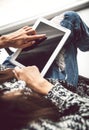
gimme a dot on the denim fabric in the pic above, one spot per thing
(79, 38)
(7, 62)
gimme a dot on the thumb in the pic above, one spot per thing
(16, 71)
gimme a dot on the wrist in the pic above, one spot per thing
(45, 87)
(42, 86)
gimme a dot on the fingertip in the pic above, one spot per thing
(16, 68)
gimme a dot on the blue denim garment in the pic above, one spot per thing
(7, 62)
(79, 38)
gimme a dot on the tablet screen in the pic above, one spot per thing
(42, 55)
(39, 54)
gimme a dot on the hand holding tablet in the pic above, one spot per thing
(43, 54)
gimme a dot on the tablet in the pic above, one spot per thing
(42, 55)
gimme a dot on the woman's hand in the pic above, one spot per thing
(21, 38)
(34, 79)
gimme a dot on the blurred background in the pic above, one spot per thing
(15, 10)
(17, 13)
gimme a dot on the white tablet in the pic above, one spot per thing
(42, 55)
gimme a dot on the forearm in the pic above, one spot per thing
(42, 86)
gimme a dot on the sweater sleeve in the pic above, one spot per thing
(68, 101)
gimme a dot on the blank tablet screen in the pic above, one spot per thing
(39, 54)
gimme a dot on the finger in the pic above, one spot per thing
(17, 71)
(27, 27)
(28, 44)
(37, 41)
(34, 37)
(30, 31)
(40, 40)
(15, 74)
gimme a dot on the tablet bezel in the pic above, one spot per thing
(56, 51)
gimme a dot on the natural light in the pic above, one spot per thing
(15, 10)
